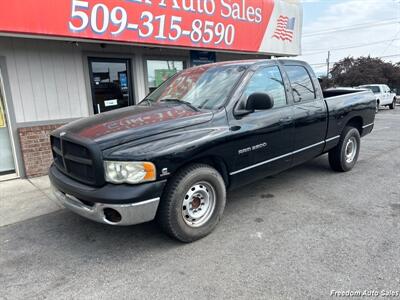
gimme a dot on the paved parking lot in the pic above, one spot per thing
(297, 235)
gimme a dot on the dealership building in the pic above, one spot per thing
(67, 59)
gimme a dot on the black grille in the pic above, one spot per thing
(77, 160)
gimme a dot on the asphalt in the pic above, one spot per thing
(297, 235)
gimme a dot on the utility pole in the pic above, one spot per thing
(327, 64)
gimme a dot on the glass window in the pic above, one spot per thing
(160, 70)
(110, 80)
(204, 87)
(6, 152)
(303, 89)
(267, 80)
(375, 89)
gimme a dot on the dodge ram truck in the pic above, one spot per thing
(205, 130)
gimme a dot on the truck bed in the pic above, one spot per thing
(344, 104)
(328, 93)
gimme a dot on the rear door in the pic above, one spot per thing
(309, 114)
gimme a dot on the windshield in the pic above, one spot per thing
(204, 87)
(374, 89)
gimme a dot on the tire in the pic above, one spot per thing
(341, 158)
(377, 107)
(393, 105)
(182, 213)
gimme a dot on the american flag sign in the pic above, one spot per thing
(285, 28)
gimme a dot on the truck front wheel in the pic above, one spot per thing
(344, 156)
(193, 203)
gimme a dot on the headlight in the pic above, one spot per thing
(129, 172)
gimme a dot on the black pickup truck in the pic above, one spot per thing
(205, 130)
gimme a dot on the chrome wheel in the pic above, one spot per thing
(198, 204)
(351, 149)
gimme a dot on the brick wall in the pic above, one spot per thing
(36, 150)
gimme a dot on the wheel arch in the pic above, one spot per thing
(214, 161)
(356, 122)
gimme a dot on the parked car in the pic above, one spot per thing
(397, 92)
(384, 96)
(205, 130)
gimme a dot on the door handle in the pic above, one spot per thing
(235, 128)
(285, 119)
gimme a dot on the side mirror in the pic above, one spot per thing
(259, 101)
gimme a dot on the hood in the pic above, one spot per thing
(134, 122)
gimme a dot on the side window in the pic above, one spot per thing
(302, 86)
(267, 80)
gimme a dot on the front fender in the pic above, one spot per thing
(170, 152)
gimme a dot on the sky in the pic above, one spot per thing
(349, 28)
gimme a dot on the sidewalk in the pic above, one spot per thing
(23, 199)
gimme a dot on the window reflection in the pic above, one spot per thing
(267, 80)
(303, 89)
(160, 70)
(203, 87)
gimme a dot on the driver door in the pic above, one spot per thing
(266, 137)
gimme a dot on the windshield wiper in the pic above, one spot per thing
(180, 102)
(148, 101)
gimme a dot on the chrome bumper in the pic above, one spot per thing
(129, 214)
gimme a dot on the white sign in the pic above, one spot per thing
(111, 102)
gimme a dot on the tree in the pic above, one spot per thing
(325, 82)
(364, 70)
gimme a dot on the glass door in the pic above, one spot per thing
(111, 83)
(7, 164)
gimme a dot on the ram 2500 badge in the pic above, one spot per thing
(205, 130)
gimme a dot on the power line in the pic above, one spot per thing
(353, 27)
(385, 56)
(391, 42)
(350, 46)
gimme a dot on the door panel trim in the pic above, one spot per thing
(368, 125)
(332, 138)
(283, 156)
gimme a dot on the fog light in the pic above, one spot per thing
(112, 215)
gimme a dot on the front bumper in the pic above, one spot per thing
(110, 204)
(112, 214)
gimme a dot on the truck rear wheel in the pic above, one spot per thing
(193, 203)
(344, 156)
(393, 105)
